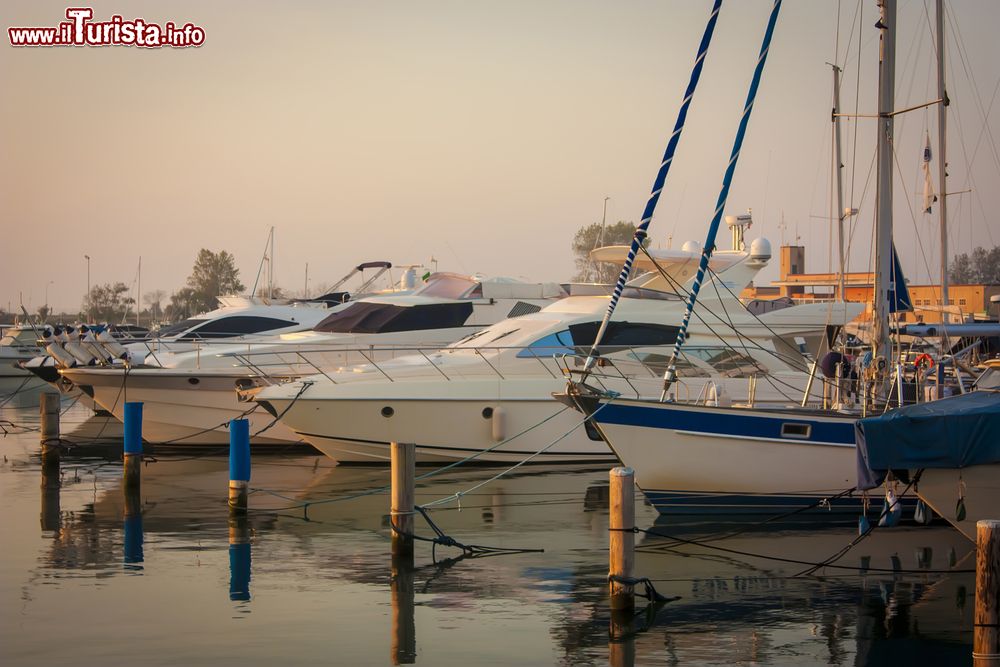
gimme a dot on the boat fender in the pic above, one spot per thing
(960, 505)
(892, 510)
(90, 343)
(863, 525)
(135, 358)
(61, 356)
(78, 351)
(498, 425)
(922, 514)
(111, 344)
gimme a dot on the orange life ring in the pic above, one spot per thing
(920, 361)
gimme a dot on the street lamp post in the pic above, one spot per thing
(89, 304)
(51, 282)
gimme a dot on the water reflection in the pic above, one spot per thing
(404, 629)
(239, 558)
(331, 560)
(133, 535)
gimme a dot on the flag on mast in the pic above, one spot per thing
(929, 196)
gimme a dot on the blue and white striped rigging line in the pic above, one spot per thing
(671, 373)
(661, 177)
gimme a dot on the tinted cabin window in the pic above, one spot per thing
(237, 325)
(174, 329)
(547, 346)
(579, 338)
(624, 334)
(363, 317)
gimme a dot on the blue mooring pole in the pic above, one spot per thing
(133, 445)
(239, 464)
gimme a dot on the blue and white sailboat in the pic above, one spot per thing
(692, 458)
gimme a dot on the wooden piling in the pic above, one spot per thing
(404, 460)
(239, 465)
(49, 429)
(132, 446)
(621, 543)
(403, 649)
(986, 634)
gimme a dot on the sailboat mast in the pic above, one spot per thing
(883, 215)
(942, 143)
(838, 167)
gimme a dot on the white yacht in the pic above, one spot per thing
(476, 396)
(189, 396)
(242, 318)
(18, 344)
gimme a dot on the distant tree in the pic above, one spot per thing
(43, 313)
(593, 236)
(983, 266)
(276, 292)
(154, 300)
(213, 275)
(181, 305)
(108, 302)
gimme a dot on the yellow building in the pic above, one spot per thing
(965, 302)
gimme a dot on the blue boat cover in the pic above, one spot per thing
(953, 432)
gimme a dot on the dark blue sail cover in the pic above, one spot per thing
(951, 432)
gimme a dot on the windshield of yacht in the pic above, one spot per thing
(364, 317)
(578, 338)
(237, 325)
(174, 329)
(451, 286)
(990, 379)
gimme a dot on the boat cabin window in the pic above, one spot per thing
(548, 346)
(580, 337)
(658, 363)
(727, 362)
(451, 286)
(174, 329)
(624, 334)
(793, 430)
(990, 379)
(370, 317)
(236, 325)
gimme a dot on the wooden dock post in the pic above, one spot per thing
(239, 465)
(986, 633)
(49, 416)
(621, 543)
(403, 650)
(133, 446)
(404, 459)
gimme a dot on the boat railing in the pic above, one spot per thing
(278, 365)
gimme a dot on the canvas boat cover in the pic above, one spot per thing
(953, 432)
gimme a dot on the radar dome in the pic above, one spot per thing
(760, 249)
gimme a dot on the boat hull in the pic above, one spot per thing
(979, 485)
(181, 408)
(479, 419)
(692, 459)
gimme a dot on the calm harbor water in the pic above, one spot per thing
(175, 582)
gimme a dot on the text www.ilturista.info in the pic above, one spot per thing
(79, 30)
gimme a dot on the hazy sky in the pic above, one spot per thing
(483, 134)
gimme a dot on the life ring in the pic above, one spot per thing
(924, 360)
